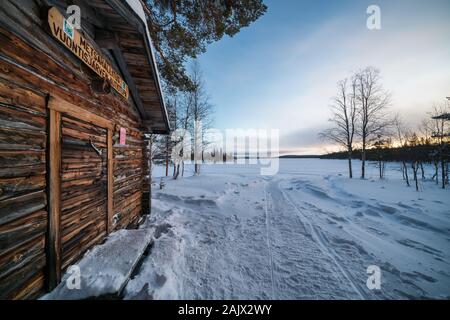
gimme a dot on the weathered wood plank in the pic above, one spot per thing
(19, 231)
(17, 207)
(13, 187)
(80, 113)
(110, 182)
(54, 223)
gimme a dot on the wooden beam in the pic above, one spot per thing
(117, 53)
(63, 106)
(109, 40)
(130, 16)
(105, 39)
(54, 200)
(110, 214)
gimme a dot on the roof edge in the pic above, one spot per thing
(136, 6)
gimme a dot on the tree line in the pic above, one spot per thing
(362, 125)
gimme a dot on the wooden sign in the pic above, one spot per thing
(79, 45)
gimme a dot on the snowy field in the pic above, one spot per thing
(307, 233)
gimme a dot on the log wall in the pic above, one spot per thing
(34, 67)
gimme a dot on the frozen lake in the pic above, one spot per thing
(308, 232)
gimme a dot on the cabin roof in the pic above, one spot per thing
(125, 34)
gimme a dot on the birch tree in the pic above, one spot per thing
(201, 114)
(402, 133)
(344, 119)
(372, 102)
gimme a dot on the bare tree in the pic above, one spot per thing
(372, 101)
(185, 124)
(439, 127)
(426, 130)
(180, 139)
(201, 114)
(402, 133)
(343, 119)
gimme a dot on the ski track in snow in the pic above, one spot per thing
(268, 245)
(302, 234)
(325, 247)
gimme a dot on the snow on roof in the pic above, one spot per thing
(136, 5)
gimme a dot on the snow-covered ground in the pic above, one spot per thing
(308, 232)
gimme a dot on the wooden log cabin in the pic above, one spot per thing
(76, 106)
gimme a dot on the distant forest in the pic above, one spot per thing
(426, 153)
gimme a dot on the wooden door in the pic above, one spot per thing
(84, 183)
(80, 183)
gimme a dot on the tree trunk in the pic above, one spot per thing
(403, 171)
(177, 171)
(436, 171)
(350, 170)
(446, 172)
(380, 169)
(363, 164)
(167, 156)
(443, 173)
(150, 179)
(405, 168)
(363, 158)
(422, 171)
(415, 167)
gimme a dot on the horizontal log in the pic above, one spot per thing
(78, 232)
(69, 215)
(20, 206)
(13, 139)
(82, 126)
(79, 201)
(33, 288)
(21, 158)
(94, 210)
(98, 141)
(127, 201)
(15, 95)
(97, 174)
(11, 187)
(22, 230)
(78, 191)
(19, 265)
(24, 171)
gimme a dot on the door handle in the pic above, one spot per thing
(97, 150)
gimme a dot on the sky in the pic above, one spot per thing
(281, 71)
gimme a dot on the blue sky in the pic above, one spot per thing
(281, 72)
